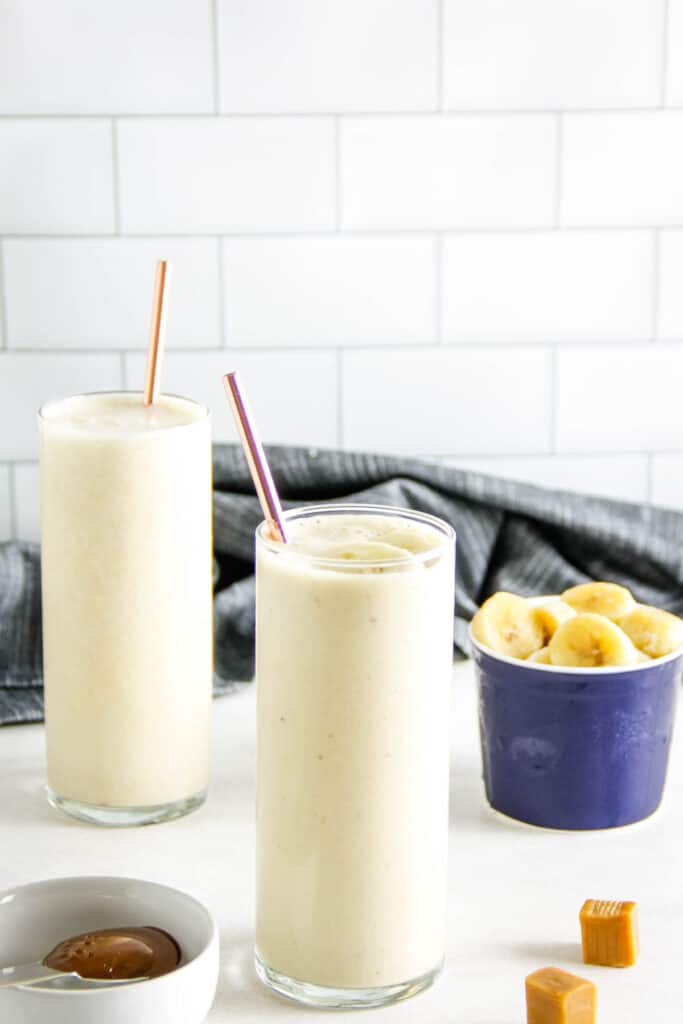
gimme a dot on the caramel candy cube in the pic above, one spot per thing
(557, 997)
(609, 933)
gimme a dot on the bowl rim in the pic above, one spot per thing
(103, 991)
(570, 670)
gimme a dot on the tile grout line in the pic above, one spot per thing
(340, 397)
(140, 350)
(369, 232)
(115, 176)
(274, 114)
(216, 58)
(4, 318)
(223, 325)
(466, 344)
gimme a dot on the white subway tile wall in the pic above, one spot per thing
(451, 228)
(210, 175)
(548, 286)
(473, 400)
(623, 477)
(95, 293)
(671, 285)
(637, 391)
(126, 57)
(308, 56)
(343, 290)
(56, 176)
(6, 527)
(622, 169)
(293, 394)
(448, 171)
(674, 64)
(536, 54)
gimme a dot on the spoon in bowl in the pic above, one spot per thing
(111, 956)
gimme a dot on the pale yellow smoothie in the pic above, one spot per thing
(353, 666)
(127, 599)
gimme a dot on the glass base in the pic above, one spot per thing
(340, 998)
(126, 817)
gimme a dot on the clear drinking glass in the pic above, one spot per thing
(127, 612)
(353, 667)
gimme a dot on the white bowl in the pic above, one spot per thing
(34, 918)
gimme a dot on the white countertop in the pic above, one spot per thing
(515, 892)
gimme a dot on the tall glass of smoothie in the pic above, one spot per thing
(127, 605)
(354, 646)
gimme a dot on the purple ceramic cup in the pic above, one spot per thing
(573, 748)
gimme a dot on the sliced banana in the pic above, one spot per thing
(365, 557)
(363, 551)
(653, 631)
(552, 615)
(588, 641)
(507, 623)
(541, 657)
(608, 599)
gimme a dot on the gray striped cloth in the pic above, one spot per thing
(511, 536)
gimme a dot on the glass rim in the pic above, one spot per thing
(206, 412)
(358, 508)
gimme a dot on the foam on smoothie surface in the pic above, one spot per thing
(121, 413)
(371, 538)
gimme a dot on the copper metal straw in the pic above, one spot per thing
(156, 332)
(256, 458)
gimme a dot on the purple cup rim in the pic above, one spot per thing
(572, 670)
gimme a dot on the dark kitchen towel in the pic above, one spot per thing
(511, 536)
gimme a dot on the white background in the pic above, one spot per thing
(440, 227)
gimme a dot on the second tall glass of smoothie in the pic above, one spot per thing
(354, 642)
(127, 605)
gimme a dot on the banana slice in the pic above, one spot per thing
(552, 615)
(653, 631)
(608, 599)
(589, 641)
(541, 657)
(365, 551)
(507, 623)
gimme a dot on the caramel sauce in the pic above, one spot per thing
(116, 953)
